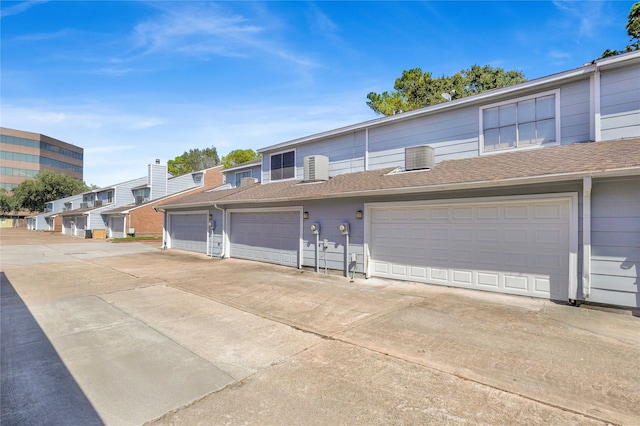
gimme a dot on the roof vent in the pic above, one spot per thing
(419, 157)
(316, 167)
(247, 181)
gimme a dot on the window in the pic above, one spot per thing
(527, 122)
(141, 194)
(109, 197)
(197, 177)
(283, 166)
(240, 175)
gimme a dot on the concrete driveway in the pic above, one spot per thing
(124, 334)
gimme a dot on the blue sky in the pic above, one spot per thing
(134, 81)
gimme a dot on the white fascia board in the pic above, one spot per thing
(469, 100)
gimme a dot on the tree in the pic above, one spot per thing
(7, 202)
(193, 160)
(633, 31)
(417, 89)
(239, 156)
(32, 194)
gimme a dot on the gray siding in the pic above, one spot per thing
(181, 183)
(230, 176)
(575, 112)
(215, 243)
(453, 134)
(620, 103)
(345, 153)
(615, 251)
(330, 216)
(157, 180)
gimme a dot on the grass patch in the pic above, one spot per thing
(127, 239)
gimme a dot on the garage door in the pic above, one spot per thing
(272, 237)
(516, 247)
(81, 222)
(189, 232)
(117, 227)
(66, 226)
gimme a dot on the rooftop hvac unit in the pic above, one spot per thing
(316, 167)
(84, 205)
(98, 203)
(139, 200)
(419, 157)
(247, 181)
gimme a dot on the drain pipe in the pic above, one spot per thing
(222, 247)
(315, 228)
(344, 228)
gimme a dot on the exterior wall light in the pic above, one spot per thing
(359, 214)
(305, 215)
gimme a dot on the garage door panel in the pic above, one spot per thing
(189, 232)
(271, 237)
(519, 247)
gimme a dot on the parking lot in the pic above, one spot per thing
(97, 332)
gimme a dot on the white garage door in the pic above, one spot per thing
(67, 226)
(272, 237)
(518, 247)
(117, 227)
(189, 232)
(81, 223)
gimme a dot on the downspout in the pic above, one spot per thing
(222, 247)
(346, 256)
(596, 128)
(586, 236)
(366, 149)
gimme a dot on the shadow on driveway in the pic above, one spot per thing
(36, 388)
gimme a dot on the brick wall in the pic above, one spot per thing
(147, 222)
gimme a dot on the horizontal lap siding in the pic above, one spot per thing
(620, 103)
(453, 134)
(574, 112)
(330, 217)
(615, 245)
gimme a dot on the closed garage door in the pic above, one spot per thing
(117, 227)
(81, 222)
(516, 247)
(66, 226)
(272, 237)
(189, 232)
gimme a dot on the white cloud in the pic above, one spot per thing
(20, 7)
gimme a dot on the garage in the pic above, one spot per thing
(81, 223)
(189, 231)
(116, 227)
(515, 245)
(267, 236)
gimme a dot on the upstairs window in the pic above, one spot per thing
(283, 165)
(241, 175)
(527, 122)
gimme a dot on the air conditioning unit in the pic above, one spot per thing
(247, 181)
(84, 205)
(316, 168)
(98, 203)
(419, 157)
(139, 200)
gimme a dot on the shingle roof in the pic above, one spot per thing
(560, 162)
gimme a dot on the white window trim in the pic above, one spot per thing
(295, 162)
(558, 141)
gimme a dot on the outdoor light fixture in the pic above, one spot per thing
(305, 215)
(359, 214)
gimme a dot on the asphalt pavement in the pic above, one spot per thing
(94, 332)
